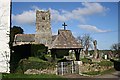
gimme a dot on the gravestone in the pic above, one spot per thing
(106, 56)
(95, 49)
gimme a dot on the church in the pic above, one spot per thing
(64, 40)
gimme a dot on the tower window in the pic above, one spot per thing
(43, 18)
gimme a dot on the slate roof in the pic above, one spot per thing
(65, 40)
(25, 38)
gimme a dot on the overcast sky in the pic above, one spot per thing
(100, 20)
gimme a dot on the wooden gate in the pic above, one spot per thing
(67, 68)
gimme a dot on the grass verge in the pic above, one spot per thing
(29, 76)
(99, 73)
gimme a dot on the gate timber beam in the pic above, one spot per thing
(77, 54)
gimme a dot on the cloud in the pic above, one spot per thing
(90, 8)
(79, 13)
(92, 28)
(28, 17)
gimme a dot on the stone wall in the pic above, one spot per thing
(44, 71)
(93, 67)
(4, 35)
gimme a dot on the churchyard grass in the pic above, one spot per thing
(4, 75)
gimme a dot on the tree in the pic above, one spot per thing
(116, 48)
(15, 30)
(86, 41)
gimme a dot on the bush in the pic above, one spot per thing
(105, 63)
(33, 63)
(38, 50)
(86, 60)
(108, 71)
(35, 59)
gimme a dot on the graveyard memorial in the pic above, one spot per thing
(44, 54)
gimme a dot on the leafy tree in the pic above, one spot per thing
(15, 30)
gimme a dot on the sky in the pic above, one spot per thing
(99, 19)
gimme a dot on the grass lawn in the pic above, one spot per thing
(31, 77)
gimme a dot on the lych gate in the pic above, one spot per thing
(65, 41)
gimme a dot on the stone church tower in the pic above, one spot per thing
(43, 28)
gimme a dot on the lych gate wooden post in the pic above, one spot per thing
(77, 54)
(62, 68)
(72, 67)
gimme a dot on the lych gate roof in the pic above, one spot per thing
(65, 40)
(25, 38)
(54, 37)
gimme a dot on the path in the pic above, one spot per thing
(111, 75)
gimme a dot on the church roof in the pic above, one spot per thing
(25, 37)
(65, 40)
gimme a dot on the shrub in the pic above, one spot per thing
(35, 59)
(108, 71)
(86, 60)
(105, 63)
(38, 50)
(33, 63)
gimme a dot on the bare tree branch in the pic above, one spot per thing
(86, 41)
